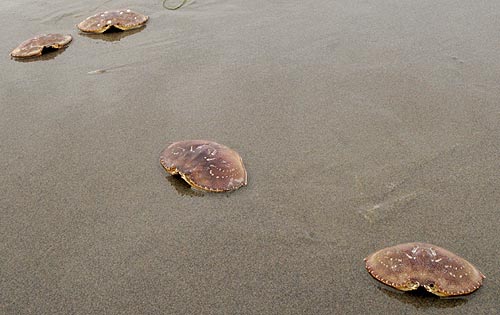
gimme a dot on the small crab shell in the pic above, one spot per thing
(121, 19)
(34, 46)
(409, 266)
(205, 165)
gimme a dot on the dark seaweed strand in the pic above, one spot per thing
(173, 8)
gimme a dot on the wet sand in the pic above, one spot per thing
(362, 124)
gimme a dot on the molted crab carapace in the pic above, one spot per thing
(121, 19)
(205, 165)
(409, 266)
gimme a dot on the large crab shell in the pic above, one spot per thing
(34, 46)
(409, 266)
(205, 165)
(121, 19)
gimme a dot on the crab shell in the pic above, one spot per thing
(409, 266)
(34, 46)
(121, 19)
(205, 165)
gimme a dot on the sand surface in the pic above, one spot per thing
(362, 124)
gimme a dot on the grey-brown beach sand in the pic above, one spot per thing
(362, 124)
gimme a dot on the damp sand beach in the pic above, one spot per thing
(362, 125)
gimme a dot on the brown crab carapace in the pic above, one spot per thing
(205, 165)
(409, 266)
(124, 20)
(35, 46)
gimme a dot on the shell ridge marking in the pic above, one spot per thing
(433, 252)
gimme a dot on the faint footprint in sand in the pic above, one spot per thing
(374, 212)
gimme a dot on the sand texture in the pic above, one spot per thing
(362, 124)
